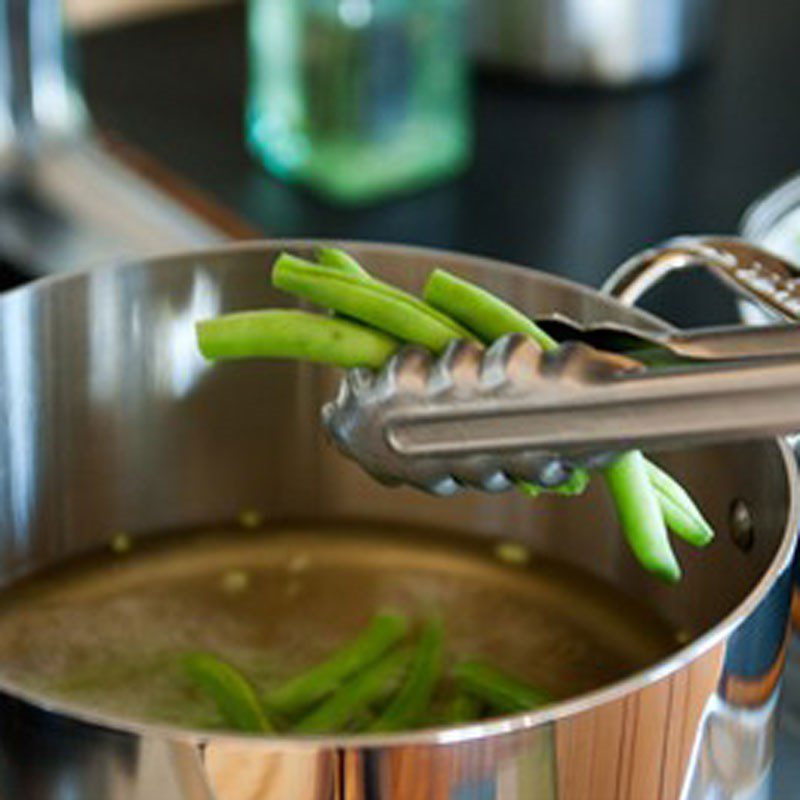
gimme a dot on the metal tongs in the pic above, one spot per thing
(486, 418)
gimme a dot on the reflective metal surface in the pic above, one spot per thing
(761, 302)
(597, 43)
(757, 275)
(40, 102)
(773, 221)
(487, 418)
(75, 205)
(110, 420)
(65, 201)
(677, 346)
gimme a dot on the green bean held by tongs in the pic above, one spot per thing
(486, 315)
(295, 335)
(409, 706)
(301, 692)
(369, 687)
(640, 516)
(367, 300)
(681, 513)
(489, 318)
(501, 692)
(339, 259)
(236, 700)
(645, 496)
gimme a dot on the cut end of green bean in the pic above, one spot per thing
(667, 572)
(236, 700)
(696, 531)
(341, 260)
(681, 513)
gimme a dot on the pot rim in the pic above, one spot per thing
(498, 726)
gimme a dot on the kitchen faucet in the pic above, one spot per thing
(65, 200)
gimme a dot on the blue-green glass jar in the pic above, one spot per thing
(358, 99)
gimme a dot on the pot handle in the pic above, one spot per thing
(772, 284)
(752, 273)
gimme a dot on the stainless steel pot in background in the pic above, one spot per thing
(588, 42)
(109, 420)
(773, 220)
(66, 200)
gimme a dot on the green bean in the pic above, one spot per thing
(299, 693)
(487, 316)
(294, 334)
(369, 687)
(576, 484)
(498, 690)
(369, 301)
(506, 319)
(339, 259)
(640, 515)
(463, 707)
(233, 695)
(412, 701)
(681, 514)
(361, 722)
(642, 520)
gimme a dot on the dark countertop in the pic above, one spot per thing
(570, 182)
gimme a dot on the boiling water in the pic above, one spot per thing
(108, 630)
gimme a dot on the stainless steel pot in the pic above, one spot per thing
(614, 43)
(773, 221)
(109, 420)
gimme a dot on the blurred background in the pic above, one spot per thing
(560, 134)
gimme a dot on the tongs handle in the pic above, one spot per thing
(576, 413)
(753, 273)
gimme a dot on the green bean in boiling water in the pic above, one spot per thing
(369, 687)
(501, 692)
(236, 700)
(412, 701)
(321, 680)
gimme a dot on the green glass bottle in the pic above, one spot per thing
(358, 99)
